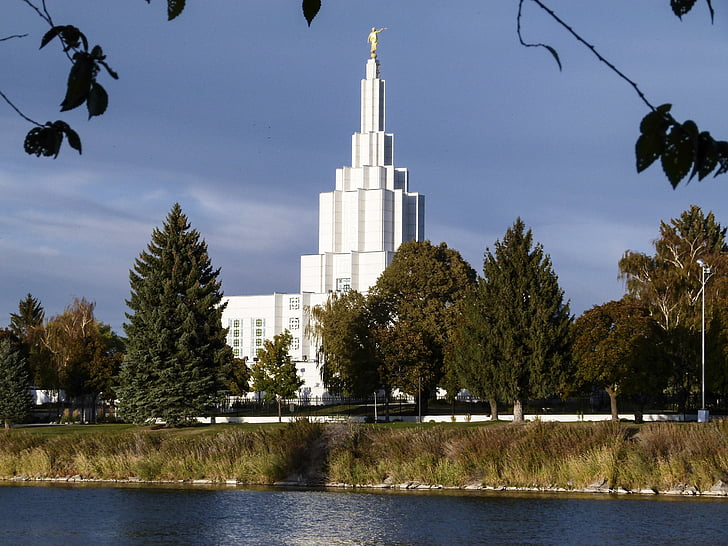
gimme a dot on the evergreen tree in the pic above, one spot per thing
(526, 323)
(30, 315)
(15, 398)
(472, 356)
(275, 373)
(27, 325)
(176, 350)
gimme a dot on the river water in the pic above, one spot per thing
(68, 515)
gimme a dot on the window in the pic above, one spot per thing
(259, 332)
(236, 323)
(236, 333)
(294, 323)
(343, 284)
(295, 343)
(294, 303)
(259, 322)
(236, 343)
(236, 352)
(258, 342)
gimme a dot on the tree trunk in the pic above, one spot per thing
(493, 409)
(279, 409)
(7, 425)
(612, 392)
(518, 411)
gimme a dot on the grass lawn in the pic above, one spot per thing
(52, 431)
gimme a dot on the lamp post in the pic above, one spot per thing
(703, 414)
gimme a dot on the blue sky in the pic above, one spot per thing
(241, 113)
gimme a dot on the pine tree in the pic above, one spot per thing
(176, 348)
(30, 315)
(15, 398)
(27, 325)
(472, 356)
(526, 323)
(275, 373)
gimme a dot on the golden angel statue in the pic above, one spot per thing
(373, 40)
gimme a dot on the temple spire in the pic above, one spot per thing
(372, 99)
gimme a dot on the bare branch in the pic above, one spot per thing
(529, 44)
(598, 55)
(13, 36)
(42, 13)
(26, 118)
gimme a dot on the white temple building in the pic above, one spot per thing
(362, 222)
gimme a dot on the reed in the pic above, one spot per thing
(251, 455)
(660, 456)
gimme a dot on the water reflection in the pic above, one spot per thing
(169, 515)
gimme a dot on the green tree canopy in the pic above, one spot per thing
(413, 309)
(616, 347)
(237, 376)
(29, 317)
(15, 398)
(84, 356)
(669, 283)
(343, 329)
(275, 373)
(525, 324)
(176, 350)
(27, 324)
(472, 355)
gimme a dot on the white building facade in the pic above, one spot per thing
(362, 222)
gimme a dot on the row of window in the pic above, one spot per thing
(294, 323)
(295, 345)
(259, 322)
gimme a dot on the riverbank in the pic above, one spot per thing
(656, 458)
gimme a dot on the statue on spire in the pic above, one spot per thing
(373, 40)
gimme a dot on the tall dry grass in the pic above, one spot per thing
(661, 456)
(537, 455)
(249, 455)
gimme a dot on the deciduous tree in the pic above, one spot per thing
(669, 285)
(617, 347)
(85, 356)
(275, 373)
(176, 349)
(237, 376)
(342, 328)
(413, 309)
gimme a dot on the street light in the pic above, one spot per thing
(703, 414)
